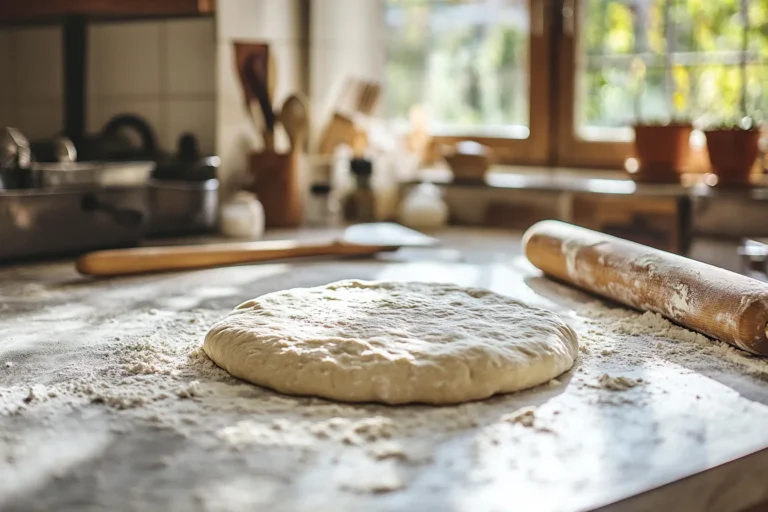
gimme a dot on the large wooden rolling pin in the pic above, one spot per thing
(713, 301)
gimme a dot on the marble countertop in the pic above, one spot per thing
(102, 406)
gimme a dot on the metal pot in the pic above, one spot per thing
(183, 207)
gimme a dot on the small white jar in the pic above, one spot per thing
(424, 208)
(243, 217)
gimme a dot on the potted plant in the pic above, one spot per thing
(662, 147)
(733, 149)
(733, 146)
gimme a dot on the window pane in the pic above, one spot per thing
(656, 60)
(465, 60)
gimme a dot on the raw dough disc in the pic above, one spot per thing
(396, 343)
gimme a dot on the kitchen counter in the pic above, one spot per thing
(107, 403)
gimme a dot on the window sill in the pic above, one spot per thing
(563, 179)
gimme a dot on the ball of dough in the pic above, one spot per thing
(397, 343)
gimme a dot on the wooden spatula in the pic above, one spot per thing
(357, 240)
(256, 68)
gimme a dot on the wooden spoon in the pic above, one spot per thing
(295, 119)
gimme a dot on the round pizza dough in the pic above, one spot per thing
(397, 343)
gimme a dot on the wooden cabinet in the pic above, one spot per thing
(27, 11)
(660, 222)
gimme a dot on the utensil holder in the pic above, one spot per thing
(277, 185)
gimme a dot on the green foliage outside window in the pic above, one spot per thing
(701, 78)
(471, 71)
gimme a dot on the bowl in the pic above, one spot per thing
(468, 161)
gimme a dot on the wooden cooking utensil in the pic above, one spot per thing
(371, 97)
(713, 301)
(256, 68)
(340, 130)
(357, 240)
(360, 94)
(268, 64)
(366, 96)
(295, 119)
(258, 88)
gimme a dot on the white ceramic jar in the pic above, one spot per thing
(243, 217)
(424, 208)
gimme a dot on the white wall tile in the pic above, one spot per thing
(227, 79)
(286, 57)
(268, 20)
(332, 64)
(124, 58)
(190, 57)
(195, 116)
(102, 110)
(40, 120)
(347, 20)
(37, 64)
(6, 62)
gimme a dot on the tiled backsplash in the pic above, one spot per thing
(161, 70)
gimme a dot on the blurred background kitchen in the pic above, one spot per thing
(126, 121)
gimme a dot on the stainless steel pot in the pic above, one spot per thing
(183, 207)
(64, 221)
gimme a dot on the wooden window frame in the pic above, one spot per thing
(573, 151)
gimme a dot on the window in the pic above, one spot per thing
(484, 69)
(465, 61)
(469, 62)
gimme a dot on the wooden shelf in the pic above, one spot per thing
(31, 11)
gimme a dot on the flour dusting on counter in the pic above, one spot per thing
(116, 372)
(616, 383)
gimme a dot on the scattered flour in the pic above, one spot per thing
(618, 383)
(680, 300)
(524, 416)
(388, 450)
(248, 432)
(36, 392)
(670, 341)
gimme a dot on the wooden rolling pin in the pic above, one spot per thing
(356, 240)
(143, 260)
(718, 303)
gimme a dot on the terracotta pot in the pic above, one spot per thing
(732, 154)
(662, 151)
